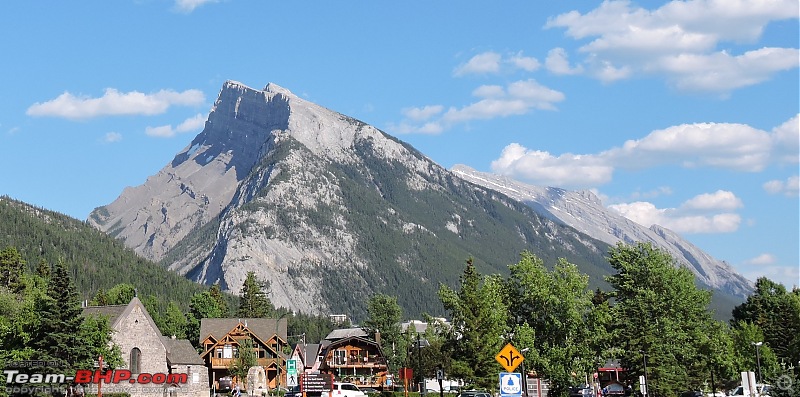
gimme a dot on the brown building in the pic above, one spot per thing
(221, 339)
(351, 356)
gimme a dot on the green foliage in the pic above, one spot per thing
(11, 268)
(777, 314)
(94, 260)
(479, 325)
(241, 365)
(253, 300)
(660, 313)
(384, 318)
(313, 327)
(555, 305)
(206, 304)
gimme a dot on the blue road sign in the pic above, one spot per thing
(510, 384)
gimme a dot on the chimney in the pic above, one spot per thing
(378, 337)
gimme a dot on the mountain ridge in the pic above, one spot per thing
(585, 212)
(327, 210)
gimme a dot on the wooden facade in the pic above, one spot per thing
(355, 359)
(221, 348)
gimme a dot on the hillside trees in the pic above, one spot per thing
(42, 320)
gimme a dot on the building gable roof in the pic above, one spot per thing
(181, 351)
(263, 328)
(116, 313)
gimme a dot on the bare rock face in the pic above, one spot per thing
(327, 210)
(584, 211)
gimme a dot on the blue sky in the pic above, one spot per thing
(680, 113)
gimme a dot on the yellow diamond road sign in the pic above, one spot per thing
(509, 358)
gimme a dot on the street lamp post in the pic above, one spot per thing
(524, 374)
(646, 381)
(758, 358)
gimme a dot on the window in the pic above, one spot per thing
(136, 360)
(227, 351)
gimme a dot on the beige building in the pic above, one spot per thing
(145, 351)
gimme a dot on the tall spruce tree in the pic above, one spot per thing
(384, 318)
(479, 326)
(56, 336)
(253, 300)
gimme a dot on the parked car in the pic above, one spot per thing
(224, 384)
(761, 390)
(692, 393)
(293, 391)
(580, 391)
(474, 393)
(343, 389)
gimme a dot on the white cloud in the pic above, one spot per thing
(680, 41)
(115, 103)
(520, 97)
(188, 6)
(786, 140)
(678, 220)
(491, 62)
(763, 259)
(719, 200)
(789, 188)
(567, 170)
(737, 147)
(423, 113)
(768, 265)
(193, 123)
(112, 137)
(557, 62)
(487, 62)
(528, 64)
(721, 145)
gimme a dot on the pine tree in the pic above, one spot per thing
(57, 335)
(253, 301)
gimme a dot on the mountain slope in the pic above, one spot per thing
(327, 209)
(584, 211)
(95, 260)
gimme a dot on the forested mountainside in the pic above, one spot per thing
(95, 260)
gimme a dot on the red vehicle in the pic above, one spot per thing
(612, 379)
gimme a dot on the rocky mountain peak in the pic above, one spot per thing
(584, 211)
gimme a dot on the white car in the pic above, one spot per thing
(761, 391)
(342, 389)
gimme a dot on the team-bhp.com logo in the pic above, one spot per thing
(16, 377)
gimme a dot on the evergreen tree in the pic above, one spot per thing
(479, 319)
(219, 297)
(777, 313)
(57, 336)
(11, 268)
(253, 300)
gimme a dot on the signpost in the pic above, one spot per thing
(310, 382)
(291, 372)
(510, 384)
(510, 358)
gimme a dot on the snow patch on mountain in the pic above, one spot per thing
(585, 212)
